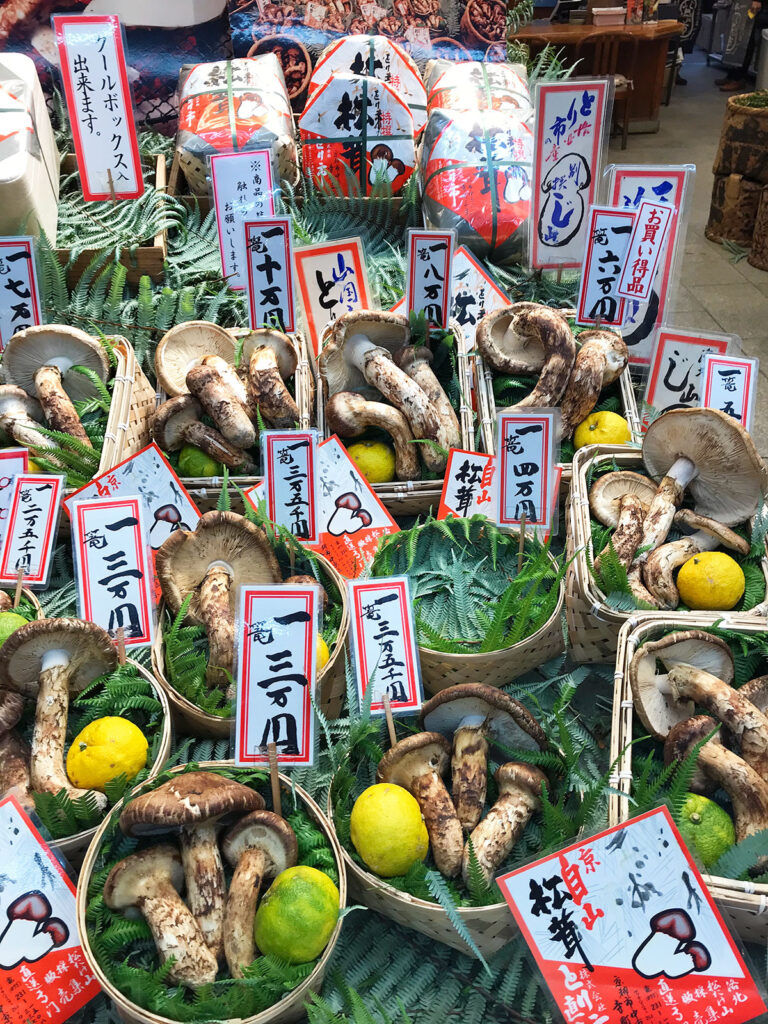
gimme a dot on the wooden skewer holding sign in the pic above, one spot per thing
(120, 645)
(111, 185)
(17, 592)
(277, 803)
(390, 720)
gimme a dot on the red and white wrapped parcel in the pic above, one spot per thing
(472, 85)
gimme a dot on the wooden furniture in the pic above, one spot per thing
(642, 56)
(606, 54)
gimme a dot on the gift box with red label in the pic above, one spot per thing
(470, 85)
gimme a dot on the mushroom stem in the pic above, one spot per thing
(747, 790)
(636, 585)
(268, 389)
(600, 360)
(14, 769)
(206, 886)
(666, 501)
(349, 415)
(443, 826)
(26, 431)
(57, 406)
(629, 530)
(416, 363)
(469, 774)
(219, 626)
(222, 405)
(214, 444)
(239, 946)
(231, 378)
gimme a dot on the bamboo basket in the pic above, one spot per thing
(593, 627)
(746, 903)
(31, 597)
(130, 412)
(291, 1006)
(491, 927)
(331, 681)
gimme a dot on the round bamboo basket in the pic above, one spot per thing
(33, 600)
(291, 1006)
(331, 682)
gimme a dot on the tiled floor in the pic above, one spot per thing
(713, 293)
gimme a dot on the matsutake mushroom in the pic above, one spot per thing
(349, 415)
(477, 715)
(620, 500)
(150, 881)
(192, 803)
(185, 346)
(416, 361)
(21, 417)
(599, 362)
(223, 552)
(233, 380)
(49, 660)
(271, 358)
(42, 361)
(14, 752)
(212, 390)
(418, 763)
(527, 338)
(178, 422)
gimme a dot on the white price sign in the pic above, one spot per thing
(290, 461)
(649, 236)
(269, 247)
(331, 280)
(19, 292)
(13, 461)
(527, 445)
(608, 238)
(730, 385)
(674, 380)
(32, 522)
(428, 284)
(243, 190)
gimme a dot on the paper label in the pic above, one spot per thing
(13, 461)
(526, 446)
(384, 644)
(19, 291)
(474, 294)
(649, 237)
(112, 567)
(331, 279)
(290, 460)
(674, 380)
(243, 190)
(276, 641)
(32, 522)
(269, 245)
(608, 237)
(468, 487)
(569, 137)
(730, 385)
(44, 976)
(428, 283)
(99, 105)
(623, 929)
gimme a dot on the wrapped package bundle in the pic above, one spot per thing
(357, 133)
(470, 85)
(234, 105)
(29, 159)
(476, 177)
(376, 57)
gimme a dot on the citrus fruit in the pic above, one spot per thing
(322, 655)
(711, 580)
(103, 750)
(297, 915)
(375, 460)
(9, 623)
(194, 462)
(602, 428)
(34, 468)
(706, 828)
(387, 829)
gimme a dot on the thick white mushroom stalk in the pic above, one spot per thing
(219, 625)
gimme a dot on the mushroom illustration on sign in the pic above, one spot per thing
(563, 212)
(271, 358)
(222, 405)
(620, 500)
(179, 421)
(31, 931)
(418, 763)
(150, 881)
(185, 346)
(21, 417)
(193, 803)
(416, 361)
(349, 415)
(384, 165)
(477, 716)
(670, 949)
(349, 516)
(167, 515)
(259, 846)
(223, 552)
(44, 360)
(49, 660)
(600, 361)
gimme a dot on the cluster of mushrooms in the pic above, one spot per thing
(40, 385)
(474, 717)
(686, 670)
(195, 367)
(46, 661)
(702, 454)
(213, 924)
(369, 356)
(528, 339)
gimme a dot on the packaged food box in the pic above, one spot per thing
(471, 85)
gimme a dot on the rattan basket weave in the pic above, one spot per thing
(291, 1006)
(745, 902)
(130, 412)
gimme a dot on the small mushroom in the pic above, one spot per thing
(600, 361)
(349, 415)
(21, 417)
(221, 403)
(49, 660)
(193, 803)
(271, 359)
(177, 422)
(223, 552)
(417, 764)
(303, 580)
(259, 847)
(233, 380)
(416, 361)
(185, 346)
(14, 769)
(150, 881)
(40, 360)
(621, 499)
(476, 715)
(527, 338)
(493, 839)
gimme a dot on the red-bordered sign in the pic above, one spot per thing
(649, 236)
(19, 290)
(12, 462)
(270, 278)
(291, 481)
(32, 522)
(736, 390)
(674, 380)
(526, 463)
(468, 485)
(603, 218)
(332, 280)
(428, 281)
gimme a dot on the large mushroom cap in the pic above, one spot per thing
(185, 346)
(15, 403)
(505, 343)
(505, 719)
(88, 647)
(268, 832)
(284, 349)
(731, 477)
(606, 492)
(220, 539)
(413, 756)
(386, 330)
(660, 711)
(59, 346)
(188, 799)
(171, 419)
(137, 876)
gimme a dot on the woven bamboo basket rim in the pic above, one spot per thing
(292, 999)
(31, 597)
(142, 402)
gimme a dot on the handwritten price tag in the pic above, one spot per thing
(331, 279)
(649, 237)
(32, 522)
(13, 461)
(608, 238)
(468, 487)
(674, 381)
(19, 292)
(428, 283)
(243, 190)
(269, 247)
(730, 385)
(290, 477)
(527, 452)
(474, 293)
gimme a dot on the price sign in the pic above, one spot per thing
(269, 247)
(99, 105)
(649, 237)
(674, 380)
(331, 279)
(730, 385)
(475, 294)
(623, 928)
(243, 190)
(608, 237)
(275, 652)
(13, 461)
(290, 461)
(428, 283)
(19, 292)
(468, 487)
(32, 520)
(384, 644)
(113, 569)
(526, 444)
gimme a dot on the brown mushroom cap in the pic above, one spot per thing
(504, 718)
(89, 648)
(171, 419)
(133, 878)
(279, 343)
(682, 738)
(185, 346)
(268, 832)
(386, 330)
(606, 492)
(514, 775)
(726, 537)
(59, 346)
(220, 539)
(507, 350)
(11, 709)
(413, 756)
(731, 476)
(187, 800)
(660, 711)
